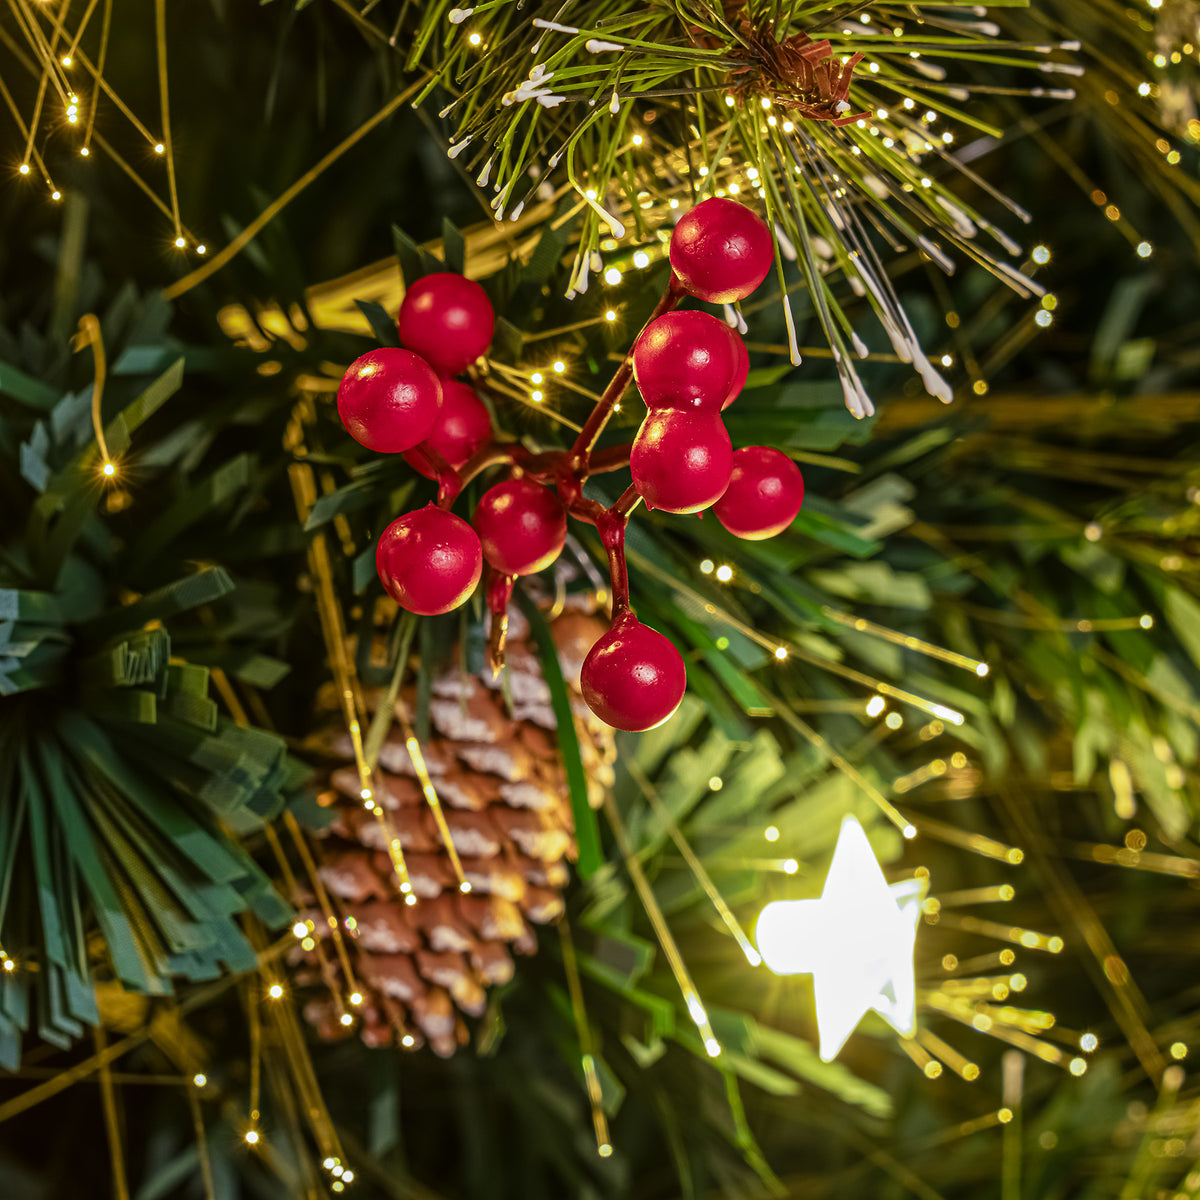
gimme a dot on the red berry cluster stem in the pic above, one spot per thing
(689, 368)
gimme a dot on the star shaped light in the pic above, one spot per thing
(856, 942)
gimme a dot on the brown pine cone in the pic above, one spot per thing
(503, 790)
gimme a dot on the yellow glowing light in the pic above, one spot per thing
(408, 1041)
(300, 929)
(346, 1019)
(180, 243)
(464, 887)
(604, 1150)
(474, 39)
(724, 573)
(790, 866)
(348, 1176)
(716, 783)
(610, 315)
(641, 259)
(766, 102)
(308, 944)
(612, 276)
(875, 706)
(24, 168)
(158, 149)
(56, 195)
(981, 669)
(728, 101)
(356, 998)
(275, 991)
(338, 1185)
(1041, 255)
(672, 203)
(201, 249)
(893, 720)
(410, 899)
(251, 1137)
(1077, 1066)
(108, 469)
(199, 1079)
(856, 941)
(67, 60)
(1178, 1051)
(537, 395)
(706, 566)
(9, 964)
(638, 140)
(781, 652)
(85, 152)
(771, 833)
(1089, 1042)
(1145, 249)
(558, 366)
(536, 377)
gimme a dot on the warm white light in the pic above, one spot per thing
(536, 395)
(612, 276)
(24, 168)
(638, 139)
(536, 377)
(347, 1019)
(275, 991)
(474, 39)
(199, 1079)
(724, 573)
(781, 652)
(559, 366)
(159, 148)
(875, 706)
(180, 243)
(356, 998)
(856, 941)
(610, 315)
(771, 833)
(109, 469)
(641, 259)
(252, 1137)
(706, 566)
(201, 249)
(300, 929)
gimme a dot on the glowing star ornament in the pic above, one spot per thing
(856, 942)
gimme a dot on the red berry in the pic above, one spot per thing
(448, 320)
(429, 561)
(685, 360)
(633, 678)
(462, 426)
(681, 460)
(764, 494)
(721, 251)
(389, 400)
(522, 526)
(742, 357)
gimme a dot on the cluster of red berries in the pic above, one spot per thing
(688, 366)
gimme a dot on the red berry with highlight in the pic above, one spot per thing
(463, 425)
(764, 494)
(448, 320)
(685, 360)
(389, 400)
(429, 561)
(633, 678)
(742, 358)
(721, 251)
(681, 460)
(522, 526)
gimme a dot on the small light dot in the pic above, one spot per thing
(790, 866)
(1089, 1042)
(158, 149)
(1043, 318)
(66, 62)
(24, 168)
(348, 1177)
(716, 783)
(641, 259)
(408, 1041)
(199, 1079)
(474, 39)
(1178, 1051)
(308, 944)
(1077, 1066)
(638, 140)
(612, 276)
(109, 469)
(338, 1170)
(713, 1047)
(252, 1137)
(909, 831)
(706, 566)
(610, 315)
(979, 387)
(1146, 621)
(771, 833)
(1145, 249)
(85, 152)
(537, 395)
(347, 1019)
(356, 998)
(559, 366)
(464, 887)
(1004, 1116)
(9, 964)
(300, 929)
(329, 1164)
(875, 706)
(893, 720)
(729, 102)
(1041, 255)
(338, 1185)
(72, 118)
(781, 653)
(365, 793)
(56, 195)
(604, 1150)
(410, 899)
(672, 203)
(275, 991)
(724, 573)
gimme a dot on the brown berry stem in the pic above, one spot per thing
(611, 526)
(594, 426)
(499, 593)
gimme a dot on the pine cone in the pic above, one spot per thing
(504, 793)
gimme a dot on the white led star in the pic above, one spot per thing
(856, 942)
